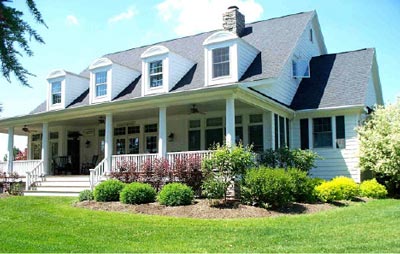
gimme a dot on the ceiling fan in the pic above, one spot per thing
(195, 110)
(26, 129)
(101, 119)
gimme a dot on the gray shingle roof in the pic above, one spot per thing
(336, 80)
(274, 38)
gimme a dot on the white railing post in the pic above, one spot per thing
(28, 180)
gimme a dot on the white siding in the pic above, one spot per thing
(177, 68)
(246, 55)
(371, 93)
(286, 86)
(121, 77)
(335, 162)
(74, 87)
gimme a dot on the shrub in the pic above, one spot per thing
(226, 163)
(267, 186)
(175, 194)
(340, 188)
(125, 171)
(108, 190)
(86, 195)
(187, 170)
(286, 158)
(304, 186)
(372, 189)
(213, 188)
(137, 193)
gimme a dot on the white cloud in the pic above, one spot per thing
(128, 14)
(204, 15)
(71, 20)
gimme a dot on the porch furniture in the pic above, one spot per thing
(89, 165)
(61, 165)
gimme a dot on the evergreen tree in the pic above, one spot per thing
(15, 33)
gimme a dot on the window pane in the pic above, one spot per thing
(133, 129)
(194, 124)
(220, 58)
(156, 67)
(56, 92)
(133, 146)
(151, 144)
(101, 90)
(101, 77)
(213, 137)
(256, 118)
(101, 83)
(340, 132)
(156, 80)
(238, 119)
(239, 135)
(150, 128)
(53, 135)
(194, 140)
(156, 76)
(256, 137)
(322, 132)
(120, 146)
(102, 133)
(119, 131)
(304, 134)
(282, 131)
(217, 121)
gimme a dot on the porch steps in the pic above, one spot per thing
(67, 186)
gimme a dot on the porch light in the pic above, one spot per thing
(87, 143)
(171, 137)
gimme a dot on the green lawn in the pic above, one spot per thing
(34, 224)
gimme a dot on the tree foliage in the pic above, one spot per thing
(380, 144)
(15, 34)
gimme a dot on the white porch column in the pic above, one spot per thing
(10, 154)
(45, 148)
(108, 139)
(162, 132)
(230, 122)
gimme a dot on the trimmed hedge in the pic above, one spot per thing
(373, 189)
(175, 194)
(304, 186)
(339, 188)
(108, 190)
(266, 186)
(138, 193)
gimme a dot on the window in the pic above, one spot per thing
(151, 144)
(322, 132)
(119, 131)
(133, 145)
(294, 68)
(101, 83)
(220, 60)
(155, 73)
(304, 134)
(133, 129)
(56, 92)
(238, 130)
(214, 131)
(340, 132)
(102, 133)
(150, 128)
(300, 68)
(256, 135)
(194, 135)
(311, 35)
(53, 135)
(120, 146)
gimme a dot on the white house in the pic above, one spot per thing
(269, 83)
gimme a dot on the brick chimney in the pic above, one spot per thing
(233, 21)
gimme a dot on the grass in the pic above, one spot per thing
(43, 224)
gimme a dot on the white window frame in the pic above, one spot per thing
(58, 93)
(221, 63)
(155, 74)
(96, 85)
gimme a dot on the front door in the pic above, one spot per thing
(74, 154)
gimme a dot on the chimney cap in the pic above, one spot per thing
(233, 7)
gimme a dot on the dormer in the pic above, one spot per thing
(162, 69)
(63, 88)
(108, 79)
(227, 55)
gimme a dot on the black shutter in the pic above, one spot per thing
(304, 134)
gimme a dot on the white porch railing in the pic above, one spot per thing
(138, 159)
(97, 173)
(23, 166)
(3, 167)
(34, 175)
(173, 156)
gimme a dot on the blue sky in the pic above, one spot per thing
(81, 31)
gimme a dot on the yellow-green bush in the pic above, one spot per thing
(372, 189)
(339, 188)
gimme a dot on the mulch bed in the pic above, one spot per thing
(202, 209)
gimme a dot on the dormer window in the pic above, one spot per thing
(56, 92)
(101, 83)
(156, 74)
(220, 58)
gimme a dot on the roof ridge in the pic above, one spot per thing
(346, 52)
(198, 34)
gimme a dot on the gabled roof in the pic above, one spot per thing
(274, 38)
(336, 80)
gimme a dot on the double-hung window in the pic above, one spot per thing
(220, 62)
(322, 132)
(56, 92)
(101, 83)
(156, 73)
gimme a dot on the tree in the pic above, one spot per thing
(14, 36)
(380, 145)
